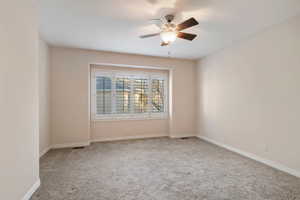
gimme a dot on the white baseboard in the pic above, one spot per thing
(128, 138)
(79, 144)
(45, 151)
(70, 145)
(30, 192)
(254, 157)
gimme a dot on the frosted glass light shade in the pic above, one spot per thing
(168, 36)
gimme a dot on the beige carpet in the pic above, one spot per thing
(160, 169)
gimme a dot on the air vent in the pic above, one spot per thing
(184, 138)
(78, 148)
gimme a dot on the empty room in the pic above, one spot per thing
(150, 100)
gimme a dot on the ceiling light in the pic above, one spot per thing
(168, 36)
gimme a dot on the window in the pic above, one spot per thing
(129, 95)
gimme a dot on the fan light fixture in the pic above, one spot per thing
(170, 31)
(168, 36)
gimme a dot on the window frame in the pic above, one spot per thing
(128, 74)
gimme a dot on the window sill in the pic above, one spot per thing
(131, 118)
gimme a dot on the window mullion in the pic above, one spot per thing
(149, 95)
(166, 95)
(94, 96)
(131, 96)
(113, 99)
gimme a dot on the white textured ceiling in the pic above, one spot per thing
(114, 25)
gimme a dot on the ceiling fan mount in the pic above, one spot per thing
(170, 31)
(169, 18)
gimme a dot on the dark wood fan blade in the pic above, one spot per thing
(164, 43)
(186, 36)
(187, 24)
(149, 35)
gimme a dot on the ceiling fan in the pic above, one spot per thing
(169, 31)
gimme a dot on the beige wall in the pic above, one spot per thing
(19, 151)
(70, 97)
(44, 97)
(250, 95)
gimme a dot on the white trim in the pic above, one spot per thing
(129, 117)
(170, 69)
(126, 74)
(45, 151)
(129, 138)
(131, 75)
(33, 188)
(70, 145)
(252, 156)
(131, 66)
(170, 99)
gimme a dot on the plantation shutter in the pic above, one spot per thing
(158, 95)
(129, 95)
(140, 95)
(123, 95)
(103, 95)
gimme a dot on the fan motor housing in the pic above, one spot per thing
(169, 18)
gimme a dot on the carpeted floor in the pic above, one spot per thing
(159, 169)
